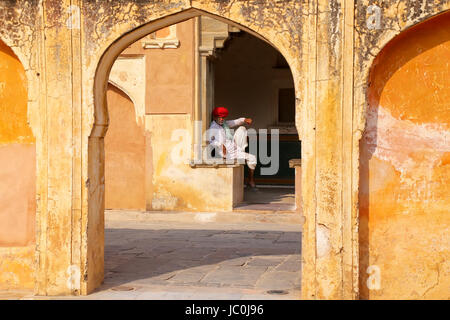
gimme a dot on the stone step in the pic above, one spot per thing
(244, 216)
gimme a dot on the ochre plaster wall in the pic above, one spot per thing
(405, 167)
(124, 154)
(17, 268)
(170, 82)
(17, 176)
(141, 169)
(68, 47)
(169, 72)
(17, 155)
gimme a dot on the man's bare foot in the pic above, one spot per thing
(251, 180)
(252, 185)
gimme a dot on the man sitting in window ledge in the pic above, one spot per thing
(229, 146)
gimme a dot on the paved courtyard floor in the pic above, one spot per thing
(149, 258)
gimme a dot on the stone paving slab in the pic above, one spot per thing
(267, 261)
(238, 276)
(164, 259)
(289, 266)
(278, 280)
(192, 275)
(235, 262)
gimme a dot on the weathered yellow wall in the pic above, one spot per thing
(169, 72)
(17, 176)
(124, 154)
(140, 171)
(170, 82)
(405, 167)
(68, 48)
(17, 268)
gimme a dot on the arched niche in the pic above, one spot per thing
(17, 176)
(404, 165)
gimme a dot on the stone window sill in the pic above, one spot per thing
(295, 163)
(216, 164)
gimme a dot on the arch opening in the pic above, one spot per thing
(107, 60)
(160, 113)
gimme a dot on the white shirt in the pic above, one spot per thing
(217, 137)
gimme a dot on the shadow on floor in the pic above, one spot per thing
(198, 257)
(268, 199)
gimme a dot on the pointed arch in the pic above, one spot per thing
(113, 51)
(404, 168)
(18, 175)
(96, 153)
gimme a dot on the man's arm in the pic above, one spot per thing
(236, 123)
(239, 122)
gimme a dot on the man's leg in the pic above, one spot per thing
(251, 178)
(240, 138)
(251, 163)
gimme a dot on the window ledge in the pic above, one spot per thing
(295, 163)
(216, 164)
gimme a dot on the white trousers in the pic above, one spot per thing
(240, 142)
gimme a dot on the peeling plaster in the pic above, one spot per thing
(393, 140)
(323, 241)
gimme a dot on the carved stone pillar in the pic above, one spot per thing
(212, 35)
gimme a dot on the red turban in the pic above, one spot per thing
(220, 112)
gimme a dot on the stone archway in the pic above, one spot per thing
(95, 245)
(330, 101)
